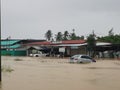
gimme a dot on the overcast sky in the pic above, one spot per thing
(30, 19)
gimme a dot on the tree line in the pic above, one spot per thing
(62, 36)
(91, 39)
(111, 37)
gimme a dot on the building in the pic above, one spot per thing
(14, 47)
(68, 47)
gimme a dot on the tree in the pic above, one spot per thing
(115, 39)
(111, 38)
(59, 36)
(82, 37)
(91, 44)
(48, 35)
(110, 33)
(73, 35)
(66, 35)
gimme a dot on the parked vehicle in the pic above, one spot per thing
(37, 54)
(81, 59)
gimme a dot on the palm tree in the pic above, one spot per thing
(66, 35)
(82, 37)
(59, 36)
(110, 33)
(73, 35)
(48, 35)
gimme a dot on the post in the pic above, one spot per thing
(0, 40)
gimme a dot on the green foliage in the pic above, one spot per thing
(91, 44)
(48, 35)
(73, 36)
(111, 38)
(111, 33)
(59, 36)
(82, 37)
(66, 35)
(91, 40)
(115, 39)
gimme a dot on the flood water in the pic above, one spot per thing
(58, 74)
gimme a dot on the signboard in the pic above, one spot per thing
(62, 49)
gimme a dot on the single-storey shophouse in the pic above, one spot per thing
(14, 47)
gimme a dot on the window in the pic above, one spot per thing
(86, 57)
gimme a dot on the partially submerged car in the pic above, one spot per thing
(40, 54)
(81, 59)
(37, 55)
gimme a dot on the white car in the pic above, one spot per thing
(81, 59)
(37, 54)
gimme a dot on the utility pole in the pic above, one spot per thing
(0, 41)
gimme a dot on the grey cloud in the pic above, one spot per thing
(59, 15)
(92, 5)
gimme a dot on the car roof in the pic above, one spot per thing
(80, 55)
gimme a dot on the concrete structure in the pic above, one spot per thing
(72, 47)
(14, 47)
(66, 48)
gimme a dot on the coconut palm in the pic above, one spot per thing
(66, 35)
(48, 35)
(59, 36)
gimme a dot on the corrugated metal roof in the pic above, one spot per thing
(15, 46)
(66, 43)
(73, 42)
(9, 42)
(36, 47)
(97, 44)
(40, 43)
(54, 43)
(12, 47)
(102, 43)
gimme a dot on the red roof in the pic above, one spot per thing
(73, 42)
(63, 42)
(40, 43)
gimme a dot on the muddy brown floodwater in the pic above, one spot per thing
(37, 73)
